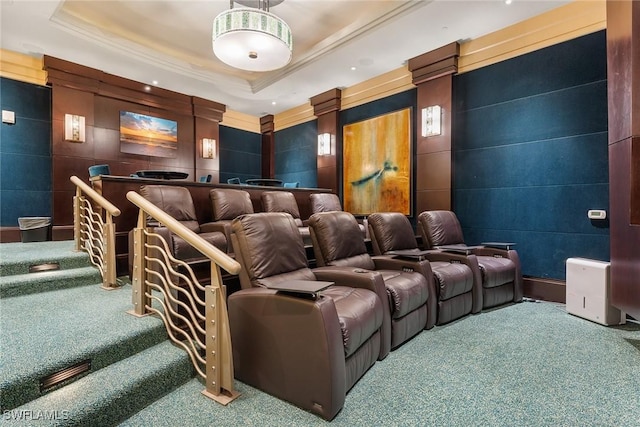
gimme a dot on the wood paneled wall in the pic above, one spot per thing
(623, 69)
(100, 97)
(433, 75)
(326, 106)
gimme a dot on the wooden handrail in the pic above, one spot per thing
(104, 203)
(208, 250)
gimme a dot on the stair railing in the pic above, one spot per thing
(155, 269)
(93, 233)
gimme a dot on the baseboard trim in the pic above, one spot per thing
(544, 289)
(12, 234)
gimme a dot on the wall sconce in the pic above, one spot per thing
(324, 144)
(432, 121)
(208, 148)
(74, 128)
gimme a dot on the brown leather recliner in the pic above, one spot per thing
(177, 202)
(330, 202)
(459, 291)
(499, 268)
(228, 204)
(306, 351)
(412, 298)
(285, 201)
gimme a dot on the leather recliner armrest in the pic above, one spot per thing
(208, 227)
(289, 347)
(384, 262)
(355, 277)
(472, 262)
(513, 256)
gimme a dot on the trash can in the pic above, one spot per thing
(35, 229)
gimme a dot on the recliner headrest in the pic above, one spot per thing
(229, 204)
(269, 243)
(280, 201)
(337, 235)
(324, 202)
(175, 201)
(441, 228)
(391, 231)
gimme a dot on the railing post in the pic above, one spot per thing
(77, 219)
(140, 288)
(109, 238)
(219, 357)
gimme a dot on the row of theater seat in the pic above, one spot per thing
(310, 349)
(310, 352)
(227, 204)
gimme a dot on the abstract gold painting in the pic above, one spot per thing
(377, 164)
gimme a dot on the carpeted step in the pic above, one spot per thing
(30, 283)
(16, 258)
(45, 332)
(114, 393)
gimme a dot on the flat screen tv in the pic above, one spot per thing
(148, 135)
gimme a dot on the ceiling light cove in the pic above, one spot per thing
(252, 39)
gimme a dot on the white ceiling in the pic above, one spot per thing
(170, 41)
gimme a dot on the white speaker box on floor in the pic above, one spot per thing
(588, 292)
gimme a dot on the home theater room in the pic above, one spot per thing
(306, 213)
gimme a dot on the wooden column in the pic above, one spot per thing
(326, 107)
(207, 116)
(268, 147)
(432, 73)
(623, 84)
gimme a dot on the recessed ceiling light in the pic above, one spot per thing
(507, 1)
(155, 82)
(353, 68)
(273, 102)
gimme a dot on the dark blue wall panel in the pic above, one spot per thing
(240, 154)
(295, 154)
(25, 152)
(531, 154)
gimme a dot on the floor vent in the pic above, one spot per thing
(65, 374)
(50, 266)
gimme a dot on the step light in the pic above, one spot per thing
(66, 374)
(50, 266)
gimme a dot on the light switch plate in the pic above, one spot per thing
(8, 117)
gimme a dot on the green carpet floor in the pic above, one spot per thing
(529, 364)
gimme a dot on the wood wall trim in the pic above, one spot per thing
(382, 86)
(545, 289)
(242, 121)
(326, 102)
(206, 109)
(294, 116)
(14, 235)
(434, 64)
(556, 26)
(75, 76)
(24, 68)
